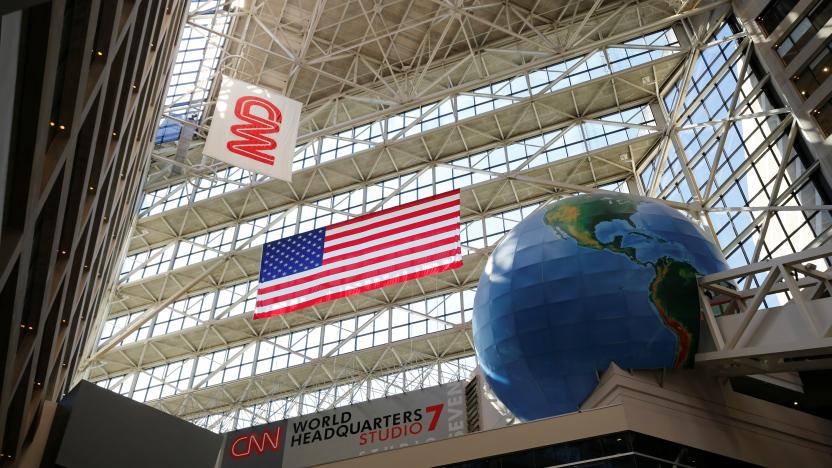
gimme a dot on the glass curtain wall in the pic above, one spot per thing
(732, 150)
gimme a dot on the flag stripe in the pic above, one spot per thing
(398, 230)
(393, 245)
(413, 232)
(362, 227)
(349, 275)
(323, 287)
(358, 290)
(335, 227)
(361, 266)
(362, 233)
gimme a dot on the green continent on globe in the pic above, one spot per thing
(673, 289)
(578, 217)
(673, 292)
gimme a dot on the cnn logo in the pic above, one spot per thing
(256, 129)
(244, 445)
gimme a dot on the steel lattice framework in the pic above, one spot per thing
(517, 103)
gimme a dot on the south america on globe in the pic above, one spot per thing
(584, 282)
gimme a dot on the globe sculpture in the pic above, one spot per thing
(581, 283)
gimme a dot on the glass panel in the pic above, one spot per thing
(810, 77)
(774, 13)
(804, 31)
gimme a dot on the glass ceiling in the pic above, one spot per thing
(195, 67)
(728, 174)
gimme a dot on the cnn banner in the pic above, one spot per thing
(254, 128)
(350, 431)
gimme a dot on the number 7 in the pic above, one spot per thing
(437, 411)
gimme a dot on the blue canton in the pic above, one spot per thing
(292, 255)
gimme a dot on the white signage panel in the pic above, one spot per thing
(383, 424)
(254, 128)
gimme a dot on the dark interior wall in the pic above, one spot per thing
(104, 429)
(81, 87)
(7, 6)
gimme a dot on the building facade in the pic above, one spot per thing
(81, 90)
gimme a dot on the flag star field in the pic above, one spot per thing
(292, 255)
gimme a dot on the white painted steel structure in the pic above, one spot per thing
(752, 334)
(517, 103)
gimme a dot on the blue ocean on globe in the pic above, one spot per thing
(583, 282)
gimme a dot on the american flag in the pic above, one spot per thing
(409, 241)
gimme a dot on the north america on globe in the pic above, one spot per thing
(673, 288)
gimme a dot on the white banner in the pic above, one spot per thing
(254, 128)
(388, 423)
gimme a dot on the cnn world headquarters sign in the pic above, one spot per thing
(350, 431)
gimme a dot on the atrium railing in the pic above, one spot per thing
(768, 317)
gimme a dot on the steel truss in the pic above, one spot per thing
(656, 159)
(420, 77)
(784, 325)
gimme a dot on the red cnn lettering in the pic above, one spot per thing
(241, 447)
(254, 132)
(437, 411)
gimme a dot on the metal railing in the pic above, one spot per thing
(771, 316)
